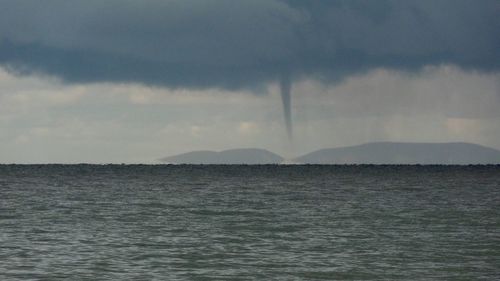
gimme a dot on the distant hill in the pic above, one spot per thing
(233, 156)
(371, 153)
(404, 153)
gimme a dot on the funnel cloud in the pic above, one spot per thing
(285, 87)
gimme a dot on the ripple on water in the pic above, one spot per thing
(249, 222)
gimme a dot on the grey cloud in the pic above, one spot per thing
(242, 44)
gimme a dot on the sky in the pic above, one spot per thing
(134, 81)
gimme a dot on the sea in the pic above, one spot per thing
(237, 222)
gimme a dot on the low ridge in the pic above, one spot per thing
(250, 156)
(458, 153)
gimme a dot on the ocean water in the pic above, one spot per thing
(118, 222)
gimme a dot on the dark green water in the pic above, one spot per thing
(89, 222)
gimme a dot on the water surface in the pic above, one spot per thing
(116, 222)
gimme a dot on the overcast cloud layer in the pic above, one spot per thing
(233, 44)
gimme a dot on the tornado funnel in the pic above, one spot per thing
(286, 87)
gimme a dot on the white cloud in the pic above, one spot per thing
(445, 89)
(248, 128)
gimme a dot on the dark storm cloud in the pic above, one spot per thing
(233, 44)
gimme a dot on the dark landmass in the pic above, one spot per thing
(233, 156)
(404, 153)
(391, 153)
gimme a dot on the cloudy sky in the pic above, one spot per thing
(133, 81)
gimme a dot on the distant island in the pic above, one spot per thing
(458, 153)
(405, 153)
(249, 156)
